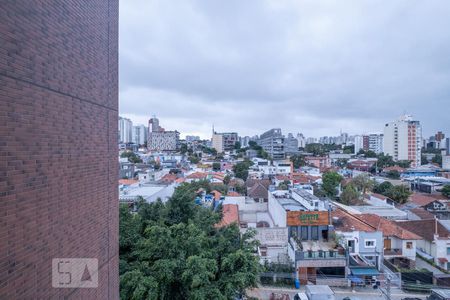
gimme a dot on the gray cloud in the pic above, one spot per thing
(305, 66)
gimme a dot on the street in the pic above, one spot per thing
(264, 293)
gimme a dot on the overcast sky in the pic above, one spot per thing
(314, 67)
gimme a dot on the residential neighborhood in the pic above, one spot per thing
(341, 212)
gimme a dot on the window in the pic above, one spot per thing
(409, 245)
(263, 251)
(304, 232)
(370, 243)
(314, 233)
(448, 251)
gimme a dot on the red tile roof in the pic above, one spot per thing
(389, 228)
(233, 194)
(346, 222)
(426, 229)
(422, 213)
(394, 168)
(128, 181)
(197, 175)
(421, 199)
(230, 215)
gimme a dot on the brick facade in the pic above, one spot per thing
(58, 144)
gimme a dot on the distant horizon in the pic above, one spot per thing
(219, 128)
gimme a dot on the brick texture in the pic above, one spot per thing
(58, 144)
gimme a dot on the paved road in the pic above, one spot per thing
(264, 293)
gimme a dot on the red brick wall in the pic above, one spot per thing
(58, 144)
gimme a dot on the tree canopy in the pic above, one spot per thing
(241, 169)
(330, 183)
(174, 250)
(350, 196)
(132, 157)
(446, 191)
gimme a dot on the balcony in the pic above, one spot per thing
(317, 254)
(393, 252)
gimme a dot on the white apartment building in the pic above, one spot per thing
(140, 133)
(125, 130)
(375, 143)
(403, 140)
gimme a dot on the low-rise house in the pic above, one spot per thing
(434, 239)
(318, 161)
(310, 234)
(196, 176)
(379, 200)
(399, 244)
(230, 215)
(363, 242)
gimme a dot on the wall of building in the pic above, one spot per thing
(58, 148)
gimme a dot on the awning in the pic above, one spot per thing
(364, 271)
(442, 260)
(355, 279)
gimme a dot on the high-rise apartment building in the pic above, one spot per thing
(153, 125)
(125, 130)
(272, 142)
(375, 143)
(291, 145)
(224, 141)
(58, 148)
(403, 140)
(140, 134)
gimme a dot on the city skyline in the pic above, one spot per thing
(301, 66)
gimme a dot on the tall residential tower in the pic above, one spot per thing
(403, 140)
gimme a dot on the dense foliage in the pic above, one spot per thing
(241, 169)
(330, 183)
(298, 161)
(132, 157)
(350, 196)
(174, 250)
(446, 191)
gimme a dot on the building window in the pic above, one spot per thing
(263, 251)
(314, 233)
(304, 232)
(409, 245)
(448, 251)
(370, 243)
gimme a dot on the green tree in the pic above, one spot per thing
(194, 159)
(183, 148)
(284, 185)
(399, 193)
(175, 251)
(330, 183)
(393, 174)
(132, 157)
(216, 166)
(241, 169)
(437, 159)
(349, 149)
(363, 183)
(385, 161)
(446, 190)
(368, 153)
(383, 188)
(350, 195)
(237, 145)
(423, 159)
(298, 161)
(404, 164)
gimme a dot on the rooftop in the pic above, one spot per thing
(426, 229)
(230, 215)
(389, 228)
